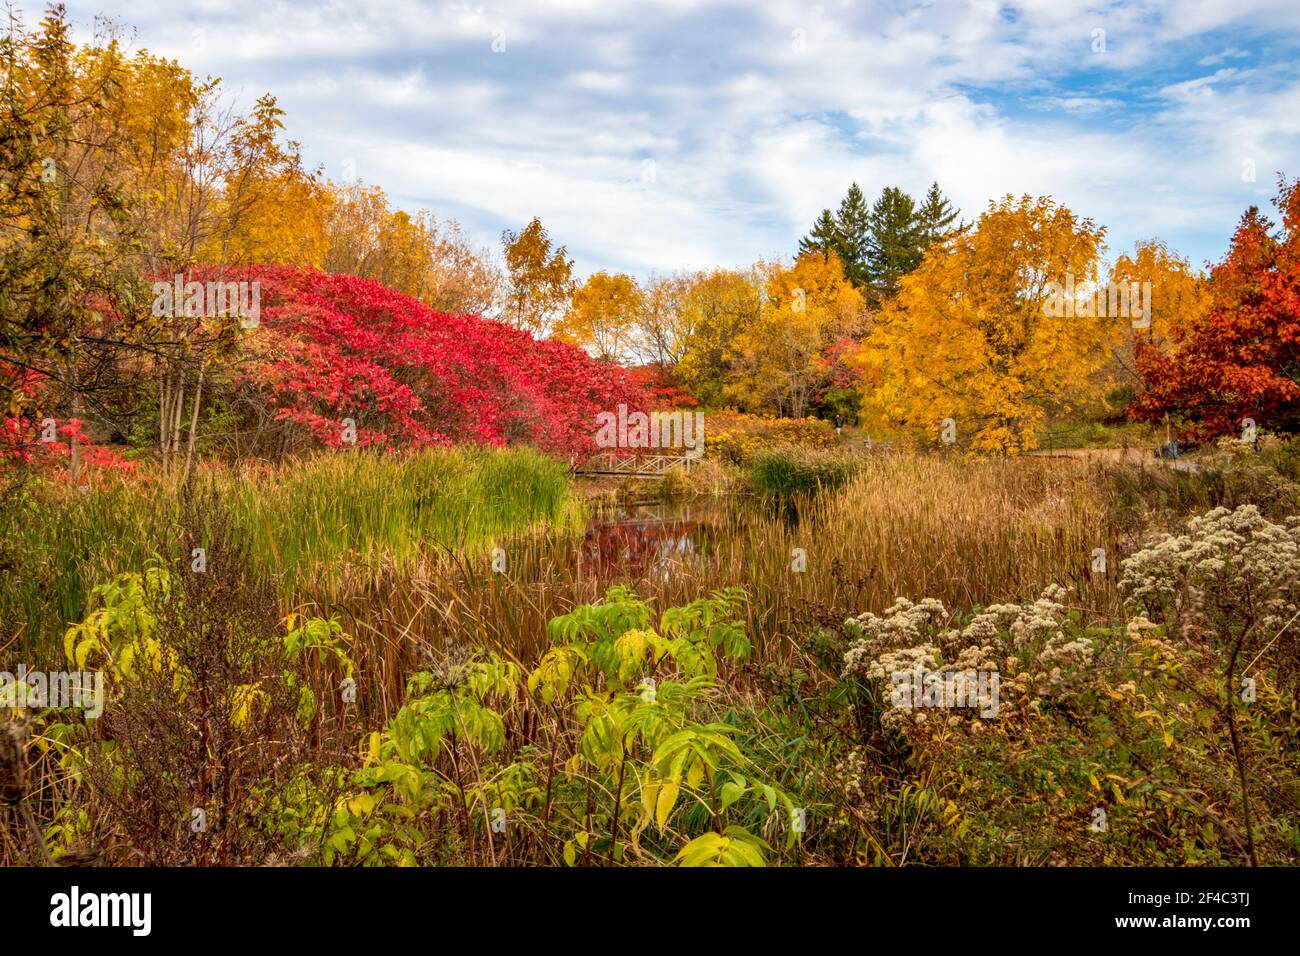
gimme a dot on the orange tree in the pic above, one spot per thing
(1242, 359)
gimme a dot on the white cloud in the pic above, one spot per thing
(753, 127)
(1231, 53)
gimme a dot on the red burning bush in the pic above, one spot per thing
(335, 347)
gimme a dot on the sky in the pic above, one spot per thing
(668, 135)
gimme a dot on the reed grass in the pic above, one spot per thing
(970, 533)
(788, 470)
(399, 547)
(334, 523)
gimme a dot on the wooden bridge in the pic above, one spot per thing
(633, 466)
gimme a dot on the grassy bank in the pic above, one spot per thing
(326, 525)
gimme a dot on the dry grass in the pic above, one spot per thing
(968, 533)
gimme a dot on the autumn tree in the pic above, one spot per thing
(1241, 359)
(781, 363)
(603, 316)
(662, 327)
(68, 245)
(340, 346)
(970, 335)
(125, 169)
(540, 278)
(1179, 295)
(716, 307)
(415, 254)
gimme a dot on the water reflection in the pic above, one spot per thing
(651, 540)
(654, 540)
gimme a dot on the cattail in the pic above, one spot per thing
(13, 780)
(13, 745)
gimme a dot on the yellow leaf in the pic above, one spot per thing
(664, 805)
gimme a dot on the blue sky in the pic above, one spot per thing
(681, 134)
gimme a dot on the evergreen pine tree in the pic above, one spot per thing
(894, 242)
(824, 237)
(853, 221)
(935, 217)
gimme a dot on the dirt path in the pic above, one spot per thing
(1132, 456)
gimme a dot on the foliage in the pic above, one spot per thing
(736, 437)
(413, 254)
(894, 242)
(1179, 295)
(1239, 360)
(540, 278)
(780, 364)
(67, 244)
(336, 347)
(602, 316)
(968, 337)
(879, 243)
(716, 307)
(616, 705)
(843, 234)
(205, 711)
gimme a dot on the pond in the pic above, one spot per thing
(653, 540)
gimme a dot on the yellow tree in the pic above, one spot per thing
(67, 239)
(977, 333)
(662, 329)
(781, 358)
(273, 208)
(1179, 296)
(540, 276)
(603, 315)
(1173, 296)
(415, 254)
(713, 308)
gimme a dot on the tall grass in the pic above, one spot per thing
(398, 547)
(788, 470)
(332, 523)
(967, 533)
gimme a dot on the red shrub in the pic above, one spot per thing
(336, 346)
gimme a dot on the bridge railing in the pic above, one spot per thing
(624, 463)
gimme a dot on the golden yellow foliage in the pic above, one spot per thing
(971, 335)
(713, 309)
(415, 254)
(603, 315)
(1179, 296)
(780, 357)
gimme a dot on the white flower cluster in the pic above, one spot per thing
(911, 637)
(1230, 568)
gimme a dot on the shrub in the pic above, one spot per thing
(209, 712)
(736, 437)
(336, 346)
(610, 749)
(782, 472)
